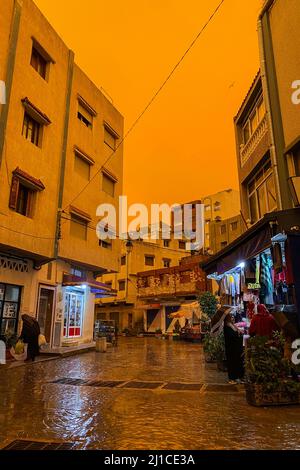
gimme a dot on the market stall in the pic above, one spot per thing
(261, 267)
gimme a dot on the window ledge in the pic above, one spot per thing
(35, 113)
(80, 214)
(84, 156)
(86, 106)
(28, 180)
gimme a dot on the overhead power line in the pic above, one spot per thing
(161, 87)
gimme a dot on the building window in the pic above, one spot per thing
(223, 244)
(262, 193)
(122, 285)
(234, 226)
(110, 137)
(38, 62)
(106, 244)
(181, 245)
(78, 272)
(123, 260)
(108, 184)
(297, 162)
(217, 206)
(109, 284)
(166, 243)
(10, 297)
(85, 116)
(31, 129)
(223, 229)
(166, 262)
(254, 119)
(23, 192)
(149, 260)
(78, 227)
(218, 218)
(24, 201)
(82, 167)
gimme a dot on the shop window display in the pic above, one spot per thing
(73, 313)
(9, 308)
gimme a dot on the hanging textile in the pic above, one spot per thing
(266, 281)
(277, 258)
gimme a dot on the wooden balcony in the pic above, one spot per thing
(178, 280)
(247, 150)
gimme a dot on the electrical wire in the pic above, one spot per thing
(27, 234)
(161, 87)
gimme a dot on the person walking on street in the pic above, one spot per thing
(30, 335)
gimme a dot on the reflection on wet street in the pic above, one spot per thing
(120, 418)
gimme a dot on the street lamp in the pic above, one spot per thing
(129, 246)
(294, 184)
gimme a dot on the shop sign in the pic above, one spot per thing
(253, 286)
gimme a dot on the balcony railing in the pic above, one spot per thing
(247, 150)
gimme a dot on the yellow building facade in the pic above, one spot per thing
(57, 130)
(279, 51)
(217, 207)
(125, 308)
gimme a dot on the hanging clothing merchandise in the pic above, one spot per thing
(277, 257)
(266, 280)
(257, 270)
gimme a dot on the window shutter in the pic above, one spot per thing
(14, 189)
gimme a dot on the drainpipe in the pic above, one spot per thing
(267, 101)
(64, 152)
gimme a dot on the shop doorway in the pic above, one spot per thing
(73, 313)
(115, 316)
(10, 296)
(45, 310)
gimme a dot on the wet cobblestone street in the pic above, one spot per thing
(127, 418)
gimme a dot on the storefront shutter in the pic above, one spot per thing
(14, 189)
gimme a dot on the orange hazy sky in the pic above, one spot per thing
(184, 146)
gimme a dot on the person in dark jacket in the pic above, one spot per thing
(234, 350)
(30, 336)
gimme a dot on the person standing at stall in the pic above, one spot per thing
(233, 350)
(262, 323)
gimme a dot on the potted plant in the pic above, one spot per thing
(209, 348)
(220, 353)
(10, 339)
(208, 303)
(269, 375)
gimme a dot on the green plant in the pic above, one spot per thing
(208, 304)
(10, 338)
(266, 365)
(214, 346)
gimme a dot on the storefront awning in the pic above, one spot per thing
(187, 311)
(98, 288)
(254, 241)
